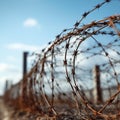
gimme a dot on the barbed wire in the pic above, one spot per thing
(62, 76)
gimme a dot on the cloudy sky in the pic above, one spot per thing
(28, 25)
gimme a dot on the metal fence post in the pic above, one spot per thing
(97, 86)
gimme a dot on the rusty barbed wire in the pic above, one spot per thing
(61, 78)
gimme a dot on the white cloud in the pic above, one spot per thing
(5, 67)
(11, 58)
(12, 77)
(30, 22)
(9, 72)
(10, 68)
(23, 47)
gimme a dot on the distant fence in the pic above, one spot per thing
(62, 77)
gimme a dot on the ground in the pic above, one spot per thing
(8, 113)
(4, 114)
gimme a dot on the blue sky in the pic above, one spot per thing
(28, 25)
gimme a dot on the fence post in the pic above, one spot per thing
(8, 85)
(25, 63)
(23, 82)
(97, 86)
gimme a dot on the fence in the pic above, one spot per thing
(62, 77)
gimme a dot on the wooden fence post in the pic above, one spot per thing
(25, 63)
(97, 92)
(23, 82)
(8, 85)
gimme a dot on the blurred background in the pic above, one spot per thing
(29, 25)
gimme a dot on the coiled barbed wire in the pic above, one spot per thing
(62, 76)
